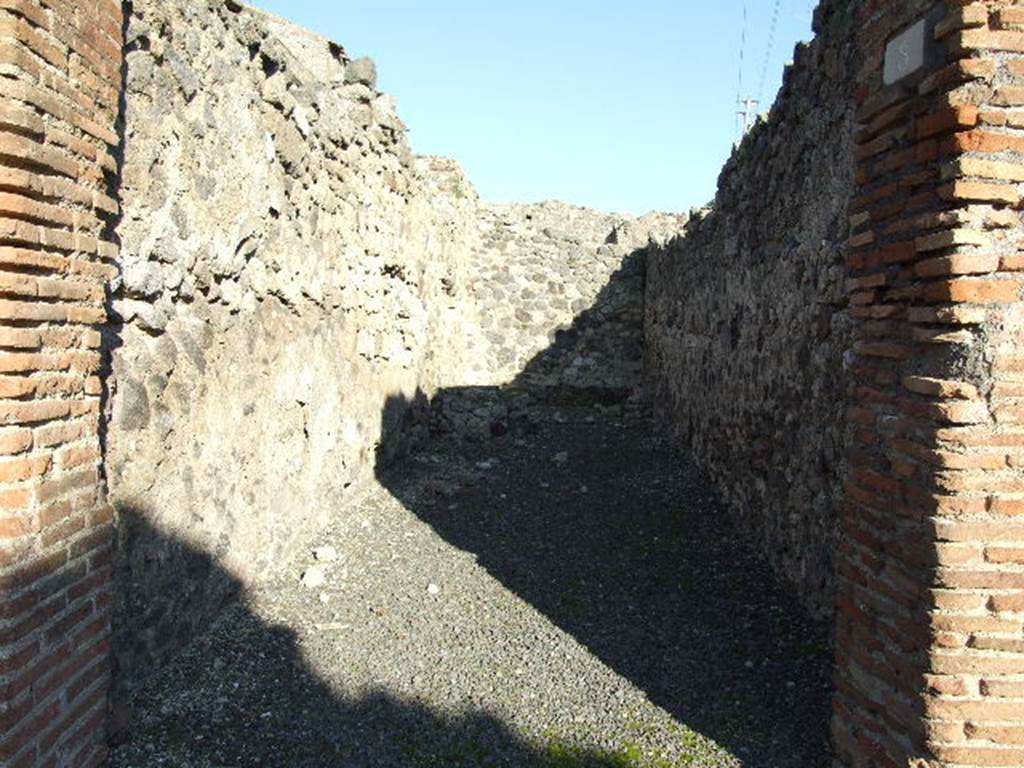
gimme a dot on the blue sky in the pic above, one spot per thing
(621, 106)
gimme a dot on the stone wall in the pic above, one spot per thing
(290, 271)
(560, 291)
(746, 323)
(60, 81)
(555, 313)
(287, 266)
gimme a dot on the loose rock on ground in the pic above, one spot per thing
(508, 617)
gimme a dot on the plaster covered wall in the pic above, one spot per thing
(746, 324)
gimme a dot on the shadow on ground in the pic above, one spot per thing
(610, 534)
(617, 539)
(242, 694)
(604, 530)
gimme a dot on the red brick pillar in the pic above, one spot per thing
(60, 84)
(930, 641)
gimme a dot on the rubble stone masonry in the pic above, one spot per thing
(60, 84)
(746, 324)
(287, 266)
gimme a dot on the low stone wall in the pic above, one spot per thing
(555, 313)
(746, 325)
(560, 294)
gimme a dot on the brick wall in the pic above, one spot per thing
(931, 606)
(60, 73)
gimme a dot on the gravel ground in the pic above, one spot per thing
(572, 599)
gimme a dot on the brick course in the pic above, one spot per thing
(60, 64)
(929, 658)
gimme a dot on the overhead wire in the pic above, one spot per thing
(743, 50)
(768, 51)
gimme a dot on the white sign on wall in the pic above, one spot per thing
(904, 54)
(912, 49)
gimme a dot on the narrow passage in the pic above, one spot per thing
(568, 596)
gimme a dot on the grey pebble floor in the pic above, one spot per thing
(493, 606)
